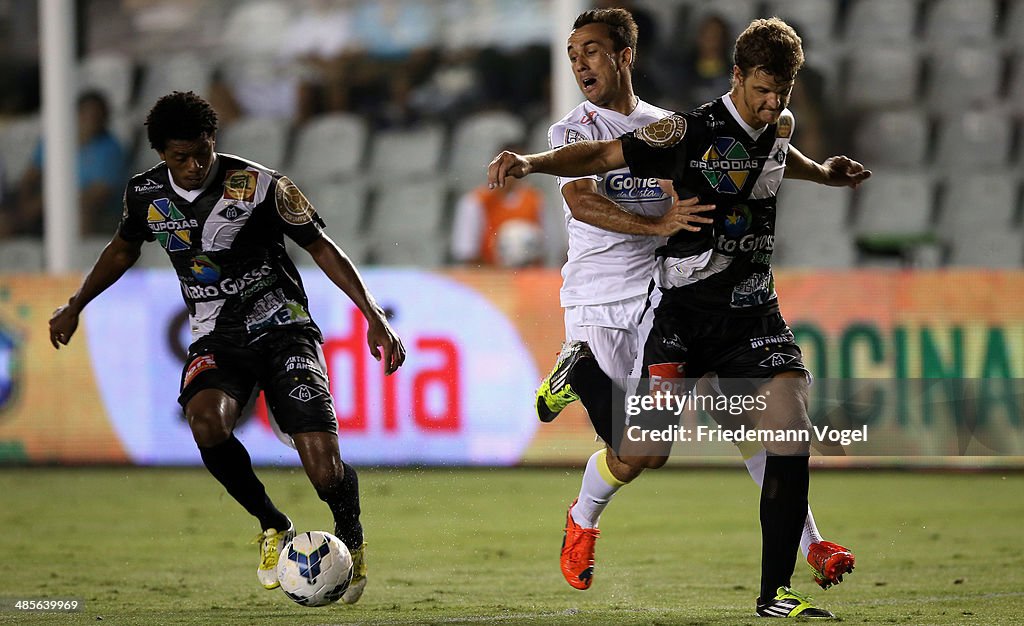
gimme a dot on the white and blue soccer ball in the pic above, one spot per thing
(314, 568)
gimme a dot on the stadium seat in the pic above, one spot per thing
(949, 21)
(256, 28)
(1014, 25)
(880, 21)
(329, 147)
(894, 210)
(882, 77)
(112, 75)
(479, 137)
(893, 138)
(260, 139)
(962, 77)
(970, 205)
(22, 254)
(811, 228)
(182, 71)
(18, 140)
(974, 140)
(1015, 93)
(406, 153)
(814, 20)
(1003, 249)
(342, 205)
(406, 224)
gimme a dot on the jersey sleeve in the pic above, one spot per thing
(134, 226)
(654, 150)
(565, 133)
(298, 219)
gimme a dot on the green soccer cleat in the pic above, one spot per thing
(789, 603)
(358, 584)
(271, 543)
(555, 393)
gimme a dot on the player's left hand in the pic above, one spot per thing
(841, 171)
(382, 339)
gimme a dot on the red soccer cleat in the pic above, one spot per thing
(829, 561)
(578, 552)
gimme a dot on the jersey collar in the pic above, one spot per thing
(190, 196)
(755, 133)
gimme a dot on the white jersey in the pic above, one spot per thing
(605, 266)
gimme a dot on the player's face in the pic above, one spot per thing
(598, 68)
(189, 161)
(759, 97)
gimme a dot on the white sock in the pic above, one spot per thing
(599, 485)
(754, 457)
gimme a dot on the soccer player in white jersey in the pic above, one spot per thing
(615, 223)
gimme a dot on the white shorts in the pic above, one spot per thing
(610, 330)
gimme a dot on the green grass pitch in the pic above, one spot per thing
(168, 546)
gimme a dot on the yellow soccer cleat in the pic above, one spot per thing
(358, 584)
(555, 393)
(271, 543)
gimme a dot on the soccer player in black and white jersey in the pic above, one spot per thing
(222, 220)
(712, 295)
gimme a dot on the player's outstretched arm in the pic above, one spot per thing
(837, 171)
(582, 158)
(588, 205)
(383, 342)
(113, 262)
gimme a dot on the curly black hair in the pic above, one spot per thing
(182, 116)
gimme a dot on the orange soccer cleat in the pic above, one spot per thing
(829, 561)
(578, 552)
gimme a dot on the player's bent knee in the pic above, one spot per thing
(209, 430)
(211, 417)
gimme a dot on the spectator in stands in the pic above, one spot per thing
(499, 227)
(705, 67)
(101, 174)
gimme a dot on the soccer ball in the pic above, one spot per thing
(314, 569)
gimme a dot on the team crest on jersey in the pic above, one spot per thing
(737, 221)
(240, 185)
(292, 205)
(726, 165)
(664, 133)
(170, 226)
(785, 127)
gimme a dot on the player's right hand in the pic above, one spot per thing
(63, 324)
(683, 215)
(504, 165)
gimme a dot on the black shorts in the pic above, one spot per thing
(679, 343)
(287, 364)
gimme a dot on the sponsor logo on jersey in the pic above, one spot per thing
(199, 364)
(301, 363)
(292, 205)
(726, 165)
(148, 186)
(263, 276)
(756, 289)
(573, 135)
(737, 220)
(240, 185)
(623, 187)
(589, 117)
(205, 271)
(666, 377)
(664, 133)
(274, 309)
(777, 359)
(170, 227)
(785, 337)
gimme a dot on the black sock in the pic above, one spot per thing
(783, 511)
(595, 390)
(343, 501)
(230, 464)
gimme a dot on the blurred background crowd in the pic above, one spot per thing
(386, 113)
